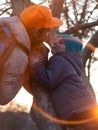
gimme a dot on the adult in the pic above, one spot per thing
(26, 31)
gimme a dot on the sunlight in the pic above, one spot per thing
(94, 115)
(94, 73)
(24, 98)
(91, 47)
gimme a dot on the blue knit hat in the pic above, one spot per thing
(72, 43)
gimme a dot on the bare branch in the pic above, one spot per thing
(90, 14)
(83, 11)
(81, 27)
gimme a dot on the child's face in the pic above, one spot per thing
(58, 46)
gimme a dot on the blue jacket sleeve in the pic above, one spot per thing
(51, 76)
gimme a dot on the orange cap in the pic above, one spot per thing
(39, 16)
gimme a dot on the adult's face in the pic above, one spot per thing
(42, 34)
(38, 35)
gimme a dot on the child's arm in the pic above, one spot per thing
(50, 76)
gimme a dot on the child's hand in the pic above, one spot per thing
(34, 58)
(37, 57)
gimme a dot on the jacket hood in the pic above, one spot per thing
(74, 59)
(73, 44)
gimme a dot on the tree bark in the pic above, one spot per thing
(42, 110)
(41, 97)
(81, 27)
(57, 7)
(88, 51)
(19, 5)
(44, 107)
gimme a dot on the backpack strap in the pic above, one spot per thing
(11, 43)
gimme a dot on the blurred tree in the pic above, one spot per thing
(76, 14)
(80, 19)
(18, 6)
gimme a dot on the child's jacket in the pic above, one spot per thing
(62, 78)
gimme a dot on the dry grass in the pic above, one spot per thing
(13, 106)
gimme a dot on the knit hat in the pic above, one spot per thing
(39, 16)
(72, 43)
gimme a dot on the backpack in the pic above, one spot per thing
(7, 44)
(15, 47)
(12, 73)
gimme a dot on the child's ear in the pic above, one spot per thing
(61, 40)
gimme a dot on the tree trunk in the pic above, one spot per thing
(41, 97)
(56, 7)
(19, 5)
(87, 51)
(42, 111)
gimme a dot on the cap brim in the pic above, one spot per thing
(55, 22)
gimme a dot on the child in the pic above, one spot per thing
(62, 78)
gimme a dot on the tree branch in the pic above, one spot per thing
(81, 27)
